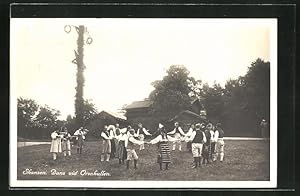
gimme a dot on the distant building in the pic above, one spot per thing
(138, 109)
(105, 118)
(186, 119)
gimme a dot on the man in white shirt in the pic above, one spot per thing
(140, 134)
(197, 138)
(218, 137)
(130, 144)
(80, 137)
(178, 133)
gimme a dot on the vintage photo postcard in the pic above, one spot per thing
(143, 102)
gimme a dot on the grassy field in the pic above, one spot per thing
(244, 160)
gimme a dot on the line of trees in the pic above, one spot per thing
(37, 122)
(239, 105)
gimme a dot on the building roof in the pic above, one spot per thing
(190, 113)
(114, 114)
(139, 104)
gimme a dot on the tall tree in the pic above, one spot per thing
(79, 101)
(171, 94)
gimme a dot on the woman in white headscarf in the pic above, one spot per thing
(164, 154)
(55, 144)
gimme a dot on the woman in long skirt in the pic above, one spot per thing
(164, 154)
(66, 143)
(55, 144)
(121, 150)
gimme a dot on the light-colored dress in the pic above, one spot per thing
(55, 143)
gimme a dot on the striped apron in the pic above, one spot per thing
(164, 153)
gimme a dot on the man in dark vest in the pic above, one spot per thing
(197, 138)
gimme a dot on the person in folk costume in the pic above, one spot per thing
(106, 143)
(112, 132)
(197, 138)
(66, 143)
(206, 145)
(139, 133)
(117, 133)
(188, 134)
(55, 144)
(210, 139)
(164, 155)
(121, 149)
(130, 144)
(80, 137)
(178, 133)
(219, 134)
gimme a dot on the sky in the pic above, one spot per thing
(126, 55)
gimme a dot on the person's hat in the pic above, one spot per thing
(160, 125)
(202, 125)
(263, 120)
(198, 126)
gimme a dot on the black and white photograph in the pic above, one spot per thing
(143, 102)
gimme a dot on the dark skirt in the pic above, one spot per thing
(164, 153)
(121, 151)
(205, 151)
(80, 142)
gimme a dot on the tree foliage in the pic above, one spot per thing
(239, 105)
(36, 121)
(171, 94)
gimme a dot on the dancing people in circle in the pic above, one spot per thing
(130, 144)
(188, 134)
(178, 133)
(164, 155)
(210, 140)
(197, 138)
(140, 134)
(219, 134)
(121, 149)
(106, 143)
